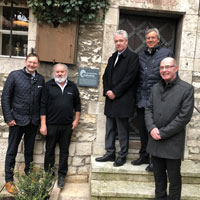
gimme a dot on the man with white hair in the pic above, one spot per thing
(119, 89)
(60, 98)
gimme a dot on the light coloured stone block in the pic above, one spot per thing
(186, 76)
(77, 179)
(197, 64)
(112, 16)
(78, 161)
(72, 148)
(13, 64)
(32, 31)
(101, 128)
(31, 44)
(32, 18)
(101, 97)
(38, 159)
(99, 149)
(3, 149)
(20, 157)
(85, 136)
(197, 50)
(192, 143)
(101, 108)
(39, 147)
(88, 118)
(108, 42)
(188, 44)
(71, 170)
(190, 23)
(83, 170)
(83, 149)
(186, 64)
(194, 150)
(88, 160)
(5, 135)
(93, 108)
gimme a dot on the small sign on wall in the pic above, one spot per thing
(88, 77)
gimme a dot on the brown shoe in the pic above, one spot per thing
(11, 188)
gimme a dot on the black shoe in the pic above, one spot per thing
(149, 168)
(106, 158)
(61, 181)
(140, 161)
(119, 162)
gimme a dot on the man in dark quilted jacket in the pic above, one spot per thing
(20, 105)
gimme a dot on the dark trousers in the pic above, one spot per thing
(15, 135)
(162, 168)
(116, 126)
(60, 134)
(142, 131)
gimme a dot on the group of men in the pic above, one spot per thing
(164, 105)
(27, 100)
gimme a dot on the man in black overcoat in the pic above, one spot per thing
(118, 87)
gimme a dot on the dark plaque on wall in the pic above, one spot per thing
(88, 77)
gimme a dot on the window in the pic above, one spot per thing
(13, 38)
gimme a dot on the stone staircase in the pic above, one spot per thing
(130, 182)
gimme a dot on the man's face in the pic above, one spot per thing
(120, 42)
(32, 64)
(60, 74)
(168, 69)
(152, 40)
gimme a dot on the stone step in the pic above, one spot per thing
(105, 171)
(129, 190)
(75, 191)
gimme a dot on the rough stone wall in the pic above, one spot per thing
(193, 130)
(89, 48)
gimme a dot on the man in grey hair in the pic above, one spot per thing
(60, 99)
(149, 74)
(118, 87)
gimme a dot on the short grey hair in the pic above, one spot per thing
(54, 66)
(121, 32)
(151, 30)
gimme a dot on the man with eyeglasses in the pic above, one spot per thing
(169, 109)
(21, 110)
(149, 74)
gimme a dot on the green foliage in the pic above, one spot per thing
(60, 11)
(34, 186)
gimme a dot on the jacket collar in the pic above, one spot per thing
(156, 48)
(170, 84)
(123, 54)
(28, 74)
(52, 82)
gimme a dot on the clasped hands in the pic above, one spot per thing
(155, 134)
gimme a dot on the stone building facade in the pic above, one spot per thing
(94, 47)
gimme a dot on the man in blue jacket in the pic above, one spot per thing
(21, 110)
(149, 74)
(169, 109)
(119, 89)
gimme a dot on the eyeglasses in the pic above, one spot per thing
(166, 67)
